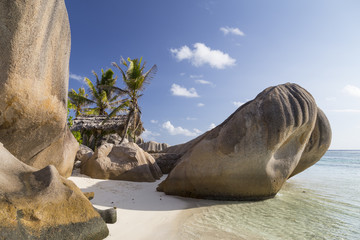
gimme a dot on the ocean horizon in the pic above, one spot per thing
(320, 203)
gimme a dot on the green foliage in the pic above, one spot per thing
(102, 93)
(78, 100)
(135, 79)
(77, 136)
(70, 122)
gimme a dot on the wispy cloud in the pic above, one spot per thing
(172, 130)
(76, 77)
(230, 30)
(200, 104)
(352, 90)
(204, 82)
(201, 55)
(212, 125)
(178, 90)
(237, 104)
(154, 121)
(149, 135)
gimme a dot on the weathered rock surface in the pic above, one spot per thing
(40, 204)
(153, 147)
(122, 162)
(84, 153)
(113, 139)
(34, 62)
(166, 161)
(253, 152)
(318, 144)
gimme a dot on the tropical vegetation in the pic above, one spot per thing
(78, 100)
(135, 79)
(70, 121)
(105, 96)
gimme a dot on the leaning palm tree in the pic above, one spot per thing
(104, 98)
(135, 79)
(78, 100)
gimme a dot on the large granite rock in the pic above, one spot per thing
(40, 204)
(153, 147)
(34, 62)
(113, 139)
(122, 162)
(318, 144)
(166, 161)
(84, 153)
(253, 152)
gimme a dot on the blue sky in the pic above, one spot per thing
(213, 56)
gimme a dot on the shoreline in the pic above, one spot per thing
(142, 212)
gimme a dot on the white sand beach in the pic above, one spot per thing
(142, 212)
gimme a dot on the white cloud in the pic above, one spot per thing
(76, 77)
(182, 53)
(201, 81)
(238, 104)
(197, 131)
(148, 135)
(352, 90)
(196, 76)
(230, 30)
(182, 74)
(201, 55)
(212, 125)
(200, 104)
(179, 130)
(154, 121)
(183, 92)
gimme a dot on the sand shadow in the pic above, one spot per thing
(143, 196)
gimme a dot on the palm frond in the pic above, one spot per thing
(121, 107)
(119, 91)
(97, 77)
(92, 88)
(123, 62)
(77, 99)
(91, 111)
(119, 102)
(122, 71)
(151, 73)
(103, 97)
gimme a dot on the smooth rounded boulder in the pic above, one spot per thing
(40, 204)
(84, 153)
(253, 152)
(122, 162)
(318, 144)
(34, 62)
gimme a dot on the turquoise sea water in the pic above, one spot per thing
(323, 202)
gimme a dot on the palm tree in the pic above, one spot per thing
(78, 100)
(135, 79)
(104, 98)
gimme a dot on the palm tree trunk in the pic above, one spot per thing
(128, 120)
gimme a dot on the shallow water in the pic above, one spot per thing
(322, 202)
